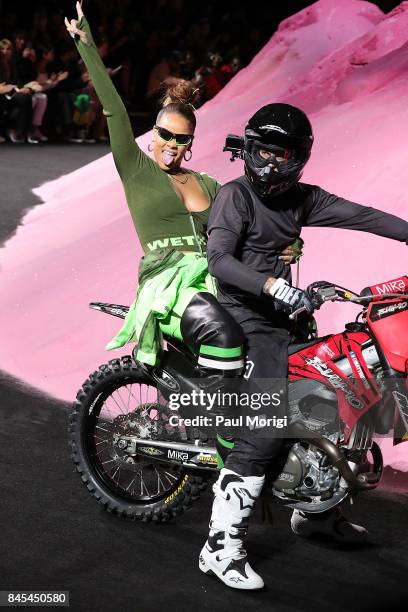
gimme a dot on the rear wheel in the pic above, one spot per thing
(116, 401)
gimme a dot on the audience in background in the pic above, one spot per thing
(45, 93)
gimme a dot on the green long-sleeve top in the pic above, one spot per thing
(159, 215)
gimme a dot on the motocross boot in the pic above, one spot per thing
(332, 523)
(223, 554)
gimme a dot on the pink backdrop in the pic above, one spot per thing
(345, 63)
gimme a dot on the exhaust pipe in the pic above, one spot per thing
(361, 482)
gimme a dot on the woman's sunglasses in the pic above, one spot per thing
(181, 139)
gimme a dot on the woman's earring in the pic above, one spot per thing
(149, 147)
(191, 155)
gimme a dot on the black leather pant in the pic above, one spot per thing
(213, 334)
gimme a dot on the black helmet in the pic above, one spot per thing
(278, 142)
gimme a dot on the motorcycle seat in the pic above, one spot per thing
(294, 348)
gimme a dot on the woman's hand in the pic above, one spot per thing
(26, 91)
(34, 86)
(61, 76)
(292, 253)
(5, 88)
(72, 26)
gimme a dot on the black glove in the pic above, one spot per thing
(291, 298)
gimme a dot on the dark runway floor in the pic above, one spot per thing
(24, 167)
(55, 537)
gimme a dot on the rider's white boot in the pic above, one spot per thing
(223, 554)
(332, 523)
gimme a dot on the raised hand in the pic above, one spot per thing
(72, 26)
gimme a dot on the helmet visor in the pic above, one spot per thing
(265, 155)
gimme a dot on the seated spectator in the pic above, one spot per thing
(137, 39)
(20, 43)
(18, 100)
(28, 72)
(4, 89)
(47, 80)
(169, 66)
(62, 96)
(187, 67)
(210, 76)
(231, 67)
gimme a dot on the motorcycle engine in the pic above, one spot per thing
(307, 472)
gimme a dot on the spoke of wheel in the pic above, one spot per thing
(114, 474)
(160, 483)
(129, 394)
(140, 400)
(106, 405)
(114, 399)
(101, 452)
(143, 486)
(109, 461)
(119, 392)
(130, 484)
(99, 427)
(171, 478)
(103, 407)
(100, 438)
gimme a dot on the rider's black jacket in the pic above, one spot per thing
(247, 233)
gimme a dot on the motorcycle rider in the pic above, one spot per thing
(251, 218)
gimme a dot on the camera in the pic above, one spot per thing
(234, 144)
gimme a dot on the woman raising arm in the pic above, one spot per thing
(170, 207)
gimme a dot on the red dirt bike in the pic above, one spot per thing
(344, 390)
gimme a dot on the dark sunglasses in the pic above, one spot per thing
(181, 139)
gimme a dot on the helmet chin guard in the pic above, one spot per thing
(277, 144)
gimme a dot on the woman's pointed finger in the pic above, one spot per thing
(79, 10)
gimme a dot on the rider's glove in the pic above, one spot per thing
(290, 298)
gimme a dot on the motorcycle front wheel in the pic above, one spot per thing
(116, 401)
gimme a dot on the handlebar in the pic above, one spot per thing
(328, 292)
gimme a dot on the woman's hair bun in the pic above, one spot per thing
(179, 91)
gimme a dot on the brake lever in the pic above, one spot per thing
(297, 312)
(326, 297)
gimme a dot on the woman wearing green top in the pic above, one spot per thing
(170, 207)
